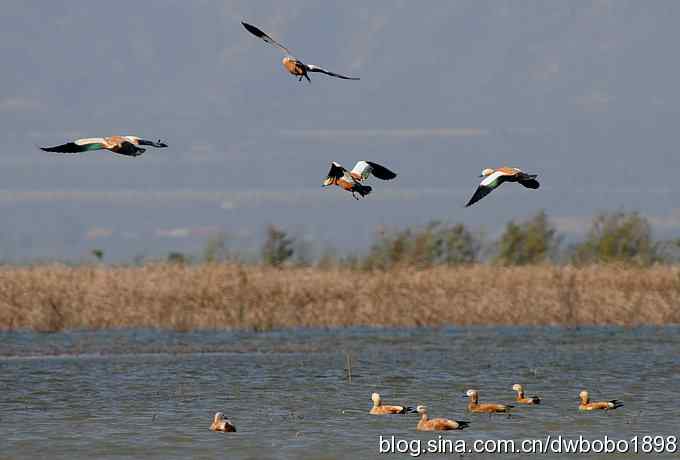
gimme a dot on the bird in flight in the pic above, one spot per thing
(123, 145)
(495, 177)
(352, 180)
(292, 64)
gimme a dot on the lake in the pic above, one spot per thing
(152, 394)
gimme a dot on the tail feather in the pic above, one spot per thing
(616, 403)
(463, 423)
(410, 410)
(363, 190)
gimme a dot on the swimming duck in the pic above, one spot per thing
(123, 145)
(598, 405)
(293, 65)
(380, 409)
(351, 180)
(523, 399)
(437, 424)
(474, 406)
(495, 177)
(222, 424)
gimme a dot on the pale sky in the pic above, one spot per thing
(584, 93)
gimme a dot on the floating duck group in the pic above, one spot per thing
(444, 424)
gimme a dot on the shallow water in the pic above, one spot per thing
(131, 394)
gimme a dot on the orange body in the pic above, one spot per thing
(521, 398)
(385, 410)
(586, 405)
(294, 66)
(437, 424)
(380, 409)
(474, 406)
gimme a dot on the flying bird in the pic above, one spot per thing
(437, 424)
(123, 145)
(352, 180)
(292, 64)
(587, 405)
(381, 409)
(495, 177)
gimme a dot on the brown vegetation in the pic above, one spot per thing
(206, 296)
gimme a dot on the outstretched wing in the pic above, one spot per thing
(258, 33)
(78, 146)
(529, 180)
(336, 171)
(381, 172)
(488, 185)
(316, 68)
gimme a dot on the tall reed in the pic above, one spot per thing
(207, 296)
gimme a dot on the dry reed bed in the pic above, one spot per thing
(184, 297)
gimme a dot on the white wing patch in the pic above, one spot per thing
(89, 140)
(362, 169)
(491, 178)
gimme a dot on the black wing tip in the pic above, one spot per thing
(531, 183)
(463, 423)
(252, 29)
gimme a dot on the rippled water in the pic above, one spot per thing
(126, 394)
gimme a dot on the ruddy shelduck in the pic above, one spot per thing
(123, 145)
(222, 424)
(352, 180)
(293, 65)
(437, 424)
(474, 406)
(586, 404)
(495, 177)
(383, 409)
(521, 398)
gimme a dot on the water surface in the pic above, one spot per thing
(133, 394)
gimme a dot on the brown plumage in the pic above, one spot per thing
(437, 424)
(352, 181)
(493, 178)
(222, 424)
(123, 145)
(293, 65)
(380, 409)
(474, 406)
(586, 405)
(521, 398)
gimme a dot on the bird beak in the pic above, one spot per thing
(327, 182)
(464, 396)
(481, 175)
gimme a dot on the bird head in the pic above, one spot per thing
(517, 387)
(375, 397)
(486, 172)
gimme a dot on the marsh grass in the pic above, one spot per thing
(214, 296)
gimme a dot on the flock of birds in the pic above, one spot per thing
(444, 424)
(351, 181)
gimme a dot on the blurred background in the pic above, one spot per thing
(583, 93)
